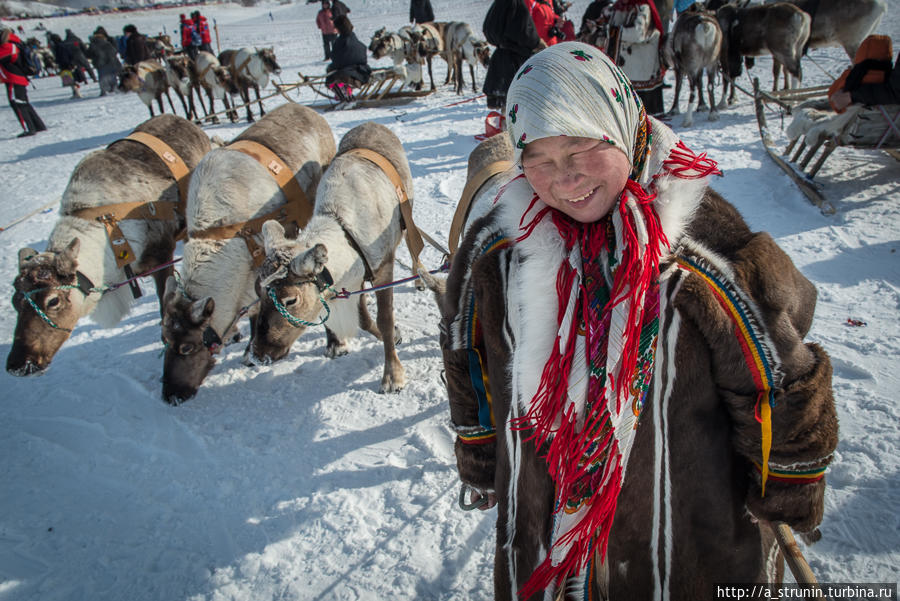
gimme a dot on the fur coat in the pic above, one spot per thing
(690, 513)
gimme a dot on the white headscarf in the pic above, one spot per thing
(573, 89)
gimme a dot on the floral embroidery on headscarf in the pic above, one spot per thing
(581, 55)
(523, 72)
(512, 113)
(521, 142)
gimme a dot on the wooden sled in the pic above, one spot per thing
(817, 128)
(385, 87)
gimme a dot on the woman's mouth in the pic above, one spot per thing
(577, 199)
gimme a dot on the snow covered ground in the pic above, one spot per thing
(299, 480)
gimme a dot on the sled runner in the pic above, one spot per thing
(816, 127)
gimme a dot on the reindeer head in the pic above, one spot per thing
(482, 52)
(290, 285)
(49, 298)
(594, 32)
(190, 343)
(268, 58)
(180, 65)
(225, 79)
(376, 38)
(129, 81)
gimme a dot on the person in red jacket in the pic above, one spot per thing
(326, 25)
(13, 76)
(187, 31)
(545, 21)
(202, 28)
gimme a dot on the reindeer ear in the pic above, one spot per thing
(25, 254)
(273, 236)
(202, 309)
(66, 262)
(310, 262)
(170, 290)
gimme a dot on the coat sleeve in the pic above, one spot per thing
(475, 357)
(803, 422)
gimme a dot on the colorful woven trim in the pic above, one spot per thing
(476, 437)
(477, 374)
(794, 477)
(757, 356)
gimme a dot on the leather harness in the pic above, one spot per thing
(297, 209)
(110, 215)
(413, 237)
(465, 202)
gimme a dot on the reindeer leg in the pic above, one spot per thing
(245, 98)
(701, 98)
(678, 77)
(335, 347)
(394, 378)
(689, 115)
(365, 318)
(711, 90)
(472, 73)
(776, 70)
(430, 76)
(262, 111)
(458, 79)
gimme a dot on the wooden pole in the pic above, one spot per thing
(216, 29)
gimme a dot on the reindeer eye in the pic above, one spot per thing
(290, 302)
(185, 349)
(52, 303)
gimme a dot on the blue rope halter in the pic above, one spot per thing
(296, 321)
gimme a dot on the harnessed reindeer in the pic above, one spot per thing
(120, 214)
(251, 69)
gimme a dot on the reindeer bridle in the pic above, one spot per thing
(322, 280)
(82, 283)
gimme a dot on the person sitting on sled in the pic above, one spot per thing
(349, 62)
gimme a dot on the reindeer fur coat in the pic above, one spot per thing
(690, 514)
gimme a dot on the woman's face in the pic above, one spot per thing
(582, 177)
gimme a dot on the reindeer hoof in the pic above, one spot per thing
(714, 115)
(393, 383)
(336, 350)
(398, 337)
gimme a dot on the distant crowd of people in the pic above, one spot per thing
(101, 60)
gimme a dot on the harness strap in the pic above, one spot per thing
(413, 238)
(243, 66)
(465, 202)
(202, 75)
(297, 209)
(111, 215)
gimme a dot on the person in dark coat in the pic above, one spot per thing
(338, 9)
(420, 11)
(78, 54)
(62, 54)
(103, 54)
(349, 60)
(509, 27)
(13, 76)
(136, 49)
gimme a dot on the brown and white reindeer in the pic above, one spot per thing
(399, 46)
(428, 41)
(250, 69)
(351, 238)
(779, 29)
(461, 44)
(79, 258)
(218, 82)
(231, 193)
(696, 42)
(179, 69)
(149, 80)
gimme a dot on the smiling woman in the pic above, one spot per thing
(582, 177)
(604, 292)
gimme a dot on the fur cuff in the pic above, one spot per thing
(476, 463)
